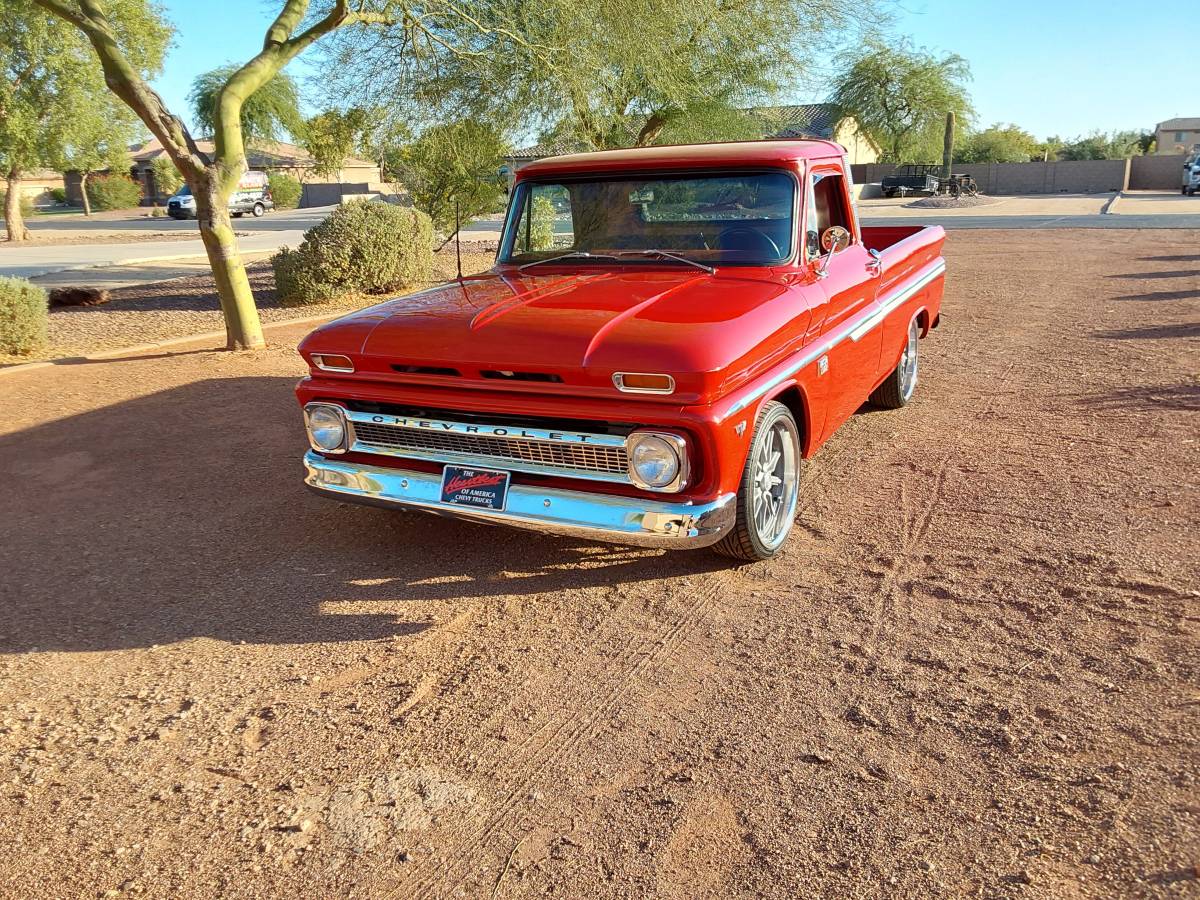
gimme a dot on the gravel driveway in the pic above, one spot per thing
(974, 673)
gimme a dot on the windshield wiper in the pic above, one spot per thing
(577, 254)
(666, 254)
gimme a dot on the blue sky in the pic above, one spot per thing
(1063, 68)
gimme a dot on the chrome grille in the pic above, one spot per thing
(602, 461)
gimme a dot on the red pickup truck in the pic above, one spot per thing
(666, 334)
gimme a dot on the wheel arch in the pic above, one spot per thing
(795, 397)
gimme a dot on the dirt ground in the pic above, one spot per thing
(973, 674)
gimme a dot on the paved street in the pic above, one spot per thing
(274, 230)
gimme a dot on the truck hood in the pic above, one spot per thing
(579, 327)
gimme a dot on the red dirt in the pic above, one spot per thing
(974, 673)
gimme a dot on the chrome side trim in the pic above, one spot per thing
(602, 517)
(896, 299)
(849, 331)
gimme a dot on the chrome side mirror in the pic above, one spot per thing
(834, 238)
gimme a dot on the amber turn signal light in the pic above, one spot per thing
(643, 383)
(328, 362)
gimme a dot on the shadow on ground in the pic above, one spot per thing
(1184, 396)
(182, 514)
(1152, 332)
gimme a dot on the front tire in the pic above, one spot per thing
(770, 487)
(898, 388)
(258, 210)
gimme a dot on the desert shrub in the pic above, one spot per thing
(59, 196)
(285, 190)
(23, 312)
(363, 247)
(158, 212)
(27, 209)
(113, 192)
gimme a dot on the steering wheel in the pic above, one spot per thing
(765, 242)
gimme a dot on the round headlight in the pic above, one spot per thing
(654, 461)
(326, 428)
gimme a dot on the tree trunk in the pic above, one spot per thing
(651, 129)
(87, 203)
(17, 232)
(242, 328)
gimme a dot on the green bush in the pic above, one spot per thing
(367, 247)
(59, 196)
(27, 209)
(113, 192)
(23, 316)
(285, 190)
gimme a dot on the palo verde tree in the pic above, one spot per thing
(996, 144)
(609, 73)
(452, 173)
(55, 110)
(329, 137)
(212, 179)
(900, 96)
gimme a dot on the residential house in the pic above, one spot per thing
(1176, 136)
(806, 120)
(39, 186)
(275, 156)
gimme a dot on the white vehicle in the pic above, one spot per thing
(253, 195)
(1191, 172)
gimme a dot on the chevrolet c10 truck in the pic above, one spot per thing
(666, 334)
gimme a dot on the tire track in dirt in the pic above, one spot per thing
(541, 750)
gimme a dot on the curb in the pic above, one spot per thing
(157, 345)
(1107, 208)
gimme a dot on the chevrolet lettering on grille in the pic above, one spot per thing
(488, 430)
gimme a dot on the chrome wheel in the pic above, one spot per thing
(908, 362)
(775, 481)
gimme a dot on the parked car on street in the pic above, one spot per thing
(1191, 172)
(252, 196)
(650, 368)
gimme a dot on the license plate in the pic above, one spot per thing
(478, 488)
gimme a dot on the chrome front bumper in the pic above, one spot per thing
(599, 517)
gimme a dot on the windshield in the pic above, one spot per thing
(184, 191)
(715, 219)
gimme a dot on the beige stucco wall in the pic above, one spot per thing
(858, 148)
(1166, 143)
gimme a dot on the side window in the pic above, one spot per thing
(545, 218)
(826, 207)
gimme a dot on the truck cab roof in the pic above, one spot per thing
(728, 154)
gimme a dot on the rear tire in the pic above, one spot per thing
(769, 489)
(258, 210)
(897, 389)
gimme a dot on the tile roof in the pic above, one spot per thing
(1180, 125)
(276, 153)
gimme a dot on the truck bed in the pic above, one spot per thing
(903, 249)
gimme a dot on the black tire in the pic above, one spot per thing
(236, 215)
(745, 540)
(258, 210)
(897, 389)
